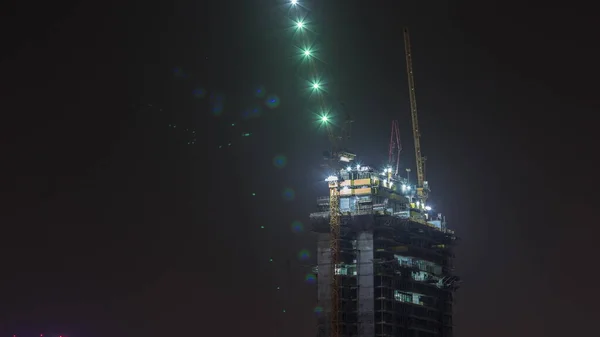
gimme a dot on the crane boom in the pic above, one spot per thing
(422, 186)
(395, 148)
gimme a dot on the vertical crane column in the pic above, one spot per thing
(334, 245)
(305, 39)
(422, 186)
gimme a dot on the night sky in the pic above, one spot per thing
(113, 225)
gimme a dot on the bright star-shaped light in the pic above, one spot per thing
(307, 52)
(300, 24)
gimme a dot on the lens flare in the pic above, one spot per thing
(259, 91)
(304, 255)
(289, 194)
(297, 227)
(280, 161)
(272, 101)
(199, 93)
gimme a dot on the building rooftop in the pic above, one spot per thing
(364, 191)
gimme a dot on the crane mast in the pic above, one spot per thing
(422, 186)
(336, 156)
(334, 246)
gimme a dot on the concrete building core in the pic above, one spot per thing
(395, 272)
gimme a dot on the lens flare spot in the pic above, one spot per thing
(259, 91)
(310, 278)
(318, 310)
(304, 255)
(272, 101)
(199, 93)
(217, 103)
(289, 194)
(177, 72)
(252, 113)
(297, 227)
(280, 161)
(217, 109)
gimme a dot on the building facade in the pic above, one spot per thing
(395, 273)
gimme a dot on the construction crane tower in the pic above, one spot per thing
(338, 134)
(422, 185)
(335, 157)
(371, 258)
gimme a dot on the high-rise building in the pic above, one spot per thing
(395, 274)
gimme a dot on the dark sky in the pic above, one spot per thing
(113, 225)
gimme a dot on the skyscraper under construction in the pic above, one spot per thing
(384, 257)
(395, 274)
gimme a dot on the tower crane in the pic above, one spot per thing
(335, 157)
(338, 135)
(422, 185)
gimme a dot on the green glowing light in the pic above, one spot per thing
(300, 24)
(307, 52)
(316, 86)
(324, 119)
